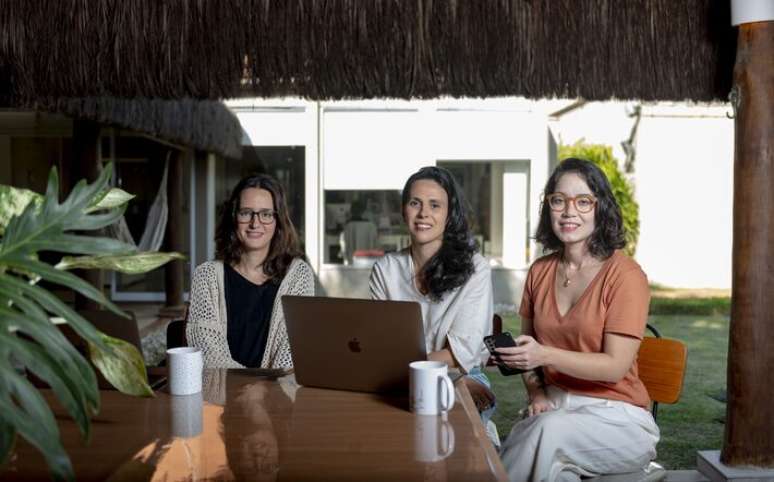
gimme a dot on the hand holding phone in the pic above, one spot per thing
(493, 342)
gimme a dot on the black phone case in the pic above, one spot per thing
(501, 340)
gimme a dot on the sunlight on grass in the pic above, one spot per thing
(692, 423)
(708, 324)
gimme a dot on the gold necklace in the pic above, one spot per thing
(567, 279)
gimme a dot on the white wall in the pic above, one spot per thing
(685, 191)
(377, 144)
(684, 184)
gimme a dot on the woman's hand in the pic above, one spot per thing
(481, 395)
(528, 354)
(539, 404)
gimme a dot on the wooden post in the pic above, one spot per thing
(173, 271)
(87, 166)
(749, 435)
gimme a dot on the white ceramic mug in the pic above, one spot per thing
(186, 412)
(433, 438)
(431, 390)
(185, 370)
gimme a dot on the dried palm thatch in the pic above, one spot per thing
(330, 49)
(201, 124)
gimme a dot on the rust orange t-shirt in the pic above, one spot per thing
(616, 301)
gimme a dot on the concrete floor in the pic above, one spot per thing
(685, 476)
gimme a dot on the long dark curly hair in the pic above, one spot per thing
(608, 232)
(284, 245)
(452, 265)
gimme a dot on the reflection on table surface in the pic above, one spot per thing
(246, 426)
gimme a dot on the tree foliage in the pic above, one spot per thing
(602, 156)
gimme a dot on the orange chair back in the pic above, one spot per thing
(661, 363)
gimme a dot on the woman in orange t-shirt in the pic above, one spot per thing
(584, 311)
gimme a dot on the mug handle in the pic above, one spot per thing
(446, 439)
(449, 398)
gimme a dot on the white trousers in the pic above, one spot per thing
(582, 436)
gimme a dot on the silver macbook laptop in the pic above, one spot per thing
(353, 344)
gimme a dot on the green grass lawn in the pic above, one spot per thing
(689, 425)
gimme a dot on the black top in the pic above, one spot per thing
(248, 307)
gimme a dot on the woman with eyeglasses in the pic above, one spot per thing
(235, 315)
(584, 309)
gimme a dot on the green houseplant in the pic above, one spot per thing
(29, 340)
(602, 156)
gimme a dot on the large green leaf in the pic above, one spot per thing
(66, 385)
(35, 323)
(73, 243)
(54, 305)
(63, 278)
(98, 221)
(123, 366)
(131, 263)
(22, 407)
(113, 198)
(13, 200)
(7, 441)
(42, 229)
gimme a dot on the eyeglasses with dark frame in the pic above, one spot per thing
(584, 203)
(265, 216)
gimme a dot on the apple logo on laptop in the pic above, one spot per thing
(354, 345)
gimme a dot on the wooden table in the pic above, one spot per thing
(245, 426)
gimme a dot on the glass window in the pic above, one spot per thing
(475, 178)
(361, 226)
(285, 163)
(498, 194)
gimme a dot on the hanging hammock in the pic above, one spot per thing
(155, 225)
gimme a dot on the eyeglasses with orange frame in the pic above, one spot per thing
(584, 203)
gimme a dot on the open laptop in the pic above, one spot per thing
(353, 344)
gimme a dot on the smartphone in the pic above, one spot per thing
(495, 341)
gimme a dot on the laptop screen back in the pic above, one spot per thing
(353, 344)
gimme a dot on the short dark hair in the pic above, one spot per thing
(453, 264)
(284, 245)
(608, 232)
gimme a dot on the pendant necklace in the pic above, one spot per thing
(567, 280)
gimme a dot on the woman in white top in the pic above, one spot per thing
(235, 315)
(442, 271)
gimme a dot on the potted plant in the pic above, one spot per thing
(29, 339)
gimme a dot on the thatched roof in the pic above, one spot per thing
(324, 49)
(201, 124)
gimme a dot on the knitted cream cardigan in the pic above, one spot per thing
(206, 327)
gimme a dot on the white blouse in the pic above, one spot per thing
(462, 317)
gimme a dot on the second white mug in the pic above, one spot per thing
(185, 370)
(431, 391)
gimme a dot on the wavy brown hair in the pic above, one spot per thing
(608, 234)
(284, 246)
